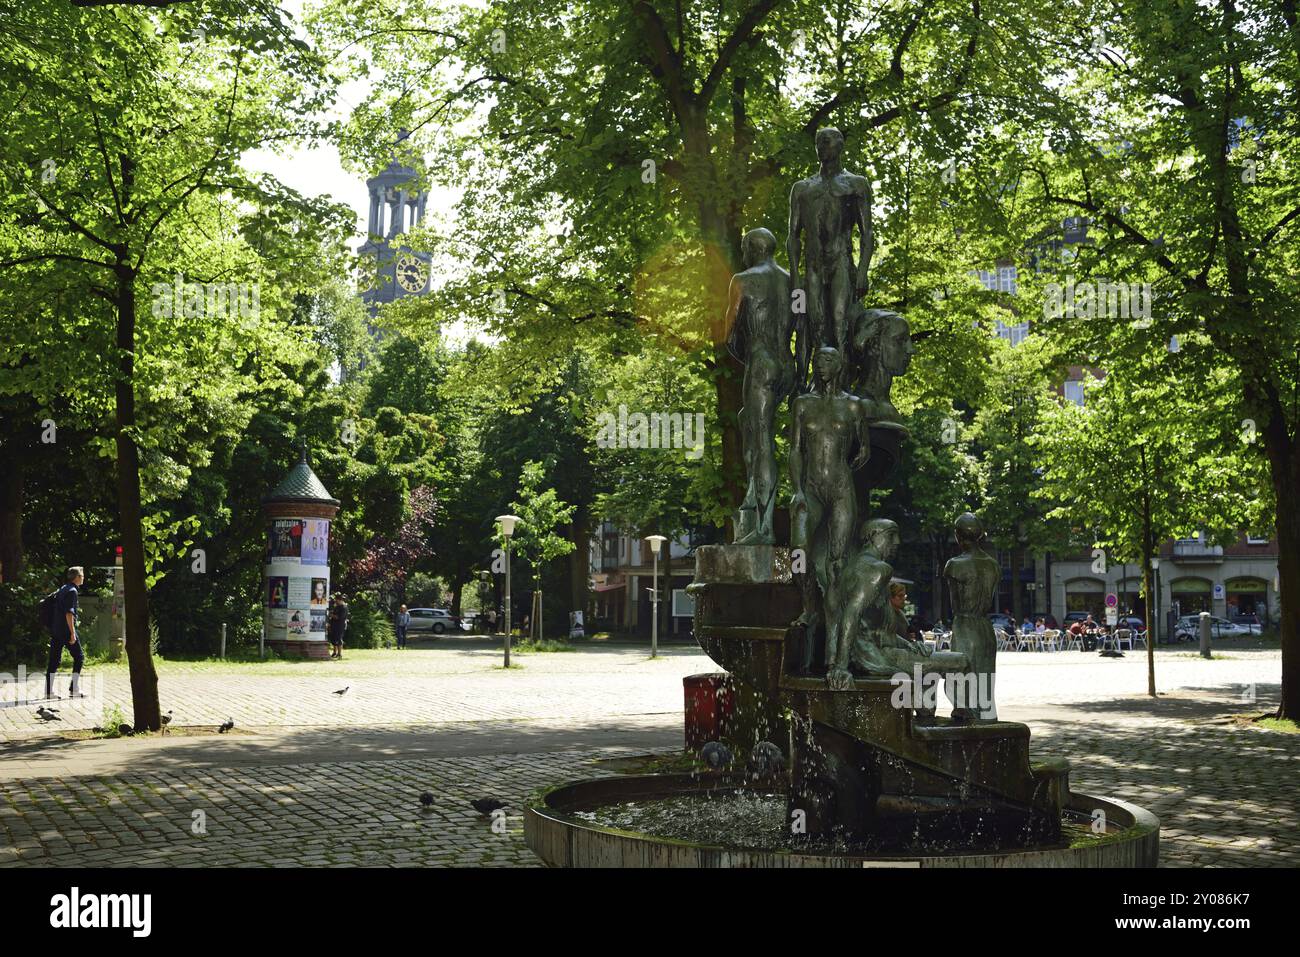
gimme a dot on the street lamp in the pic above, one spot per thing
(656, 542)
(507, 523)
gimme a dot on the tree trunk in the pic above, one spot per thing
(1284, 467)
(11, 514)
(1017, 559)
(144, 678)
(1148, 554)
(720, 240)
(579, 559)
(457, 586)
(936, 582)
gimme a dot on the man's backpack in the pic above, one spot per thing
(49, 612)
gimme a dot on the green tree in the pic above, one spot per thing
(613, 154)
(1010, 467)
(540, 511)
(1180, 149)
(1145, 459)
(125, 128)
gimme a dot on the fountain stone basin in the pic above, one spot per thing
(556, 834)
(868, 782)
(862, 766)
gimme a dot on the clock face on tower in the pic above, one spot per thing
(410, 273)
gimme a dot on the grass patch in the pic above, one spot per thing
(545, 646)
(1284, 725)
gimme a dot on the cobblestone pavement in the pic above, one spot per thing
(324, 780)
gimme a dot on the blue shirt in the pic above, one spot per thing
(64, 602)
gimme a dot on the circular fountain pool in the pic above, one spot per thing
(687, 820)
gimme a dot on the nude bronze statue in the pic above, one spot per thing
(824, 209)
(882, 344)
(972, 579)
(761, 324)
(827, 424)
(869, 634)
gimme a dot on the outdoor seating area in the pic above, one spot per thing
(1092, 639)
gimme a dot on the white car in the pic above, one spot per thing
(1189, 628)
(432, 621)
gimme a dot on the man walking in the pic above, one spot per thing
(402, 623)
(64, 632)
(336, 625)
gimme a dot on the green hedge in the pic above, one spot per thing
(368, 624)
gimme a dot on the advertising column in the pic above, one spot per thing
(296, 587)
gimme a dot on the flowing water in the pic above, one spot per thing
(760, 820)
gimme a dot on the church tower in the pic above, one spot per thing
(396, 205)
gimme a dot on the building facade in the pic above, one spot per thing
(622, 582)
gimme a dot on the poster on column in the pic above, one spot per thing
(297, 579)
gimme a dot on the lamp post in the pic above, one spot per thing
(656, 542)
(507, 523)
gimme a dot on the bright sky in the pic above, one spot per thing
(318, 170)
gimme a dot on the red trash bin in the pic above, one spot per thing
(709, 705)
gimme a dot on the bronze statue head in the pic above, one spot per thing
(968, 529)
(830, 144)
(828, 367)
(757, 246)
(896, 349)
(882, 535)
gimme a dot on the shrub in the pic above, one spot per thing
(368, 625)
(22, 640)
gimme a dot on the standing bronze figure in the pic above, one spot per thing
(824, 209)
(972, 579)
(828, 423)
(761, 324)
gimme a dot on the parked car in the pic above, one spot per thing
(1188, 628)
(1250, 622)
(1132, 622)
(433, 621)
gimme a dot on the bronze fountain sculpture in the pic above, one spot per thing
(819, 666)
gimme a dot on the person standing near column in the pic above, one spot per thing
(64, 632)
(337, 625)
(402, 623)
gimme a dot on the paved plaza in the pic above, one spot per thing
(311, 778)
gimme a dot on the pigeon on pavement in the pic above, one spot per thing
(343, 691)
(45, 715)
(426, 798)
(486, 806)
(229, 723)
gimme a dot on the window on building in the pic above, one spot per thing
(1074, 391)
(1013, 334)
(1007, 279)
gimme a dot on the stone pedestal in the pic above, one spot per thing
(744, 602)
